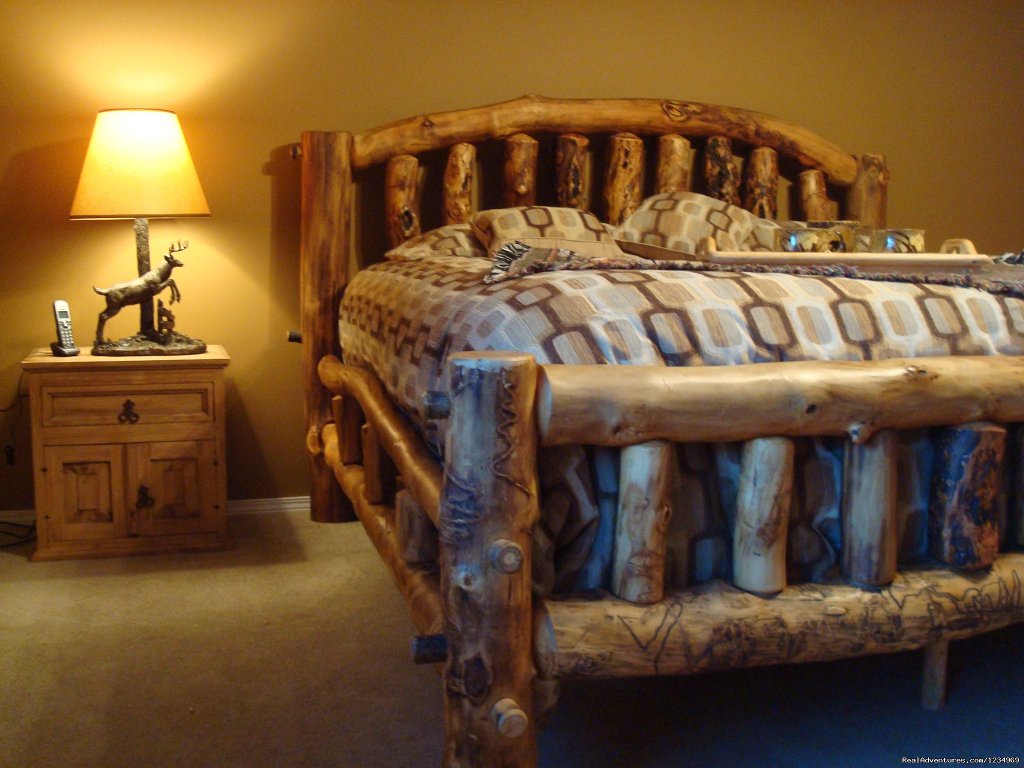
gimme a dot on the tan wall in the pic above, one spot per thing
(934, 85)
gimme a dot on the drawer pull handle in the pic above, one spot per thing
(144, 501)
(128, 414)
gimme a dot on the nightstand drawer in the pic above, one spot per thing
(78, 406)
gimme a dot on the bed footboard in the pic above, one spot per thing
(501, 646)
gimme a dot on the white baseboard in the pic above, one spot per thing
(262, 506)
(235, 507)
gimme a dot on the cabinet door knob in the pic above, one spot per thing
(128, 414)
(144, 500)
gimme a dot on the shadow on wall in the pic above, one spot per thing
(284, 171)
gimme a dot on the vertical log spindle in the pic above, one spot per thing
(869, 512)
(867, 197)
(761, 186)
(572, 162)
(415, 535)
(348, 417)
(520, 170)
(762, 515)
(638, 569)
(674, 159)
(459, 178)
(380, 477)
(488, 509)
(962, 512)
(814, 201)
(721, 176)
(624, 177)
(402, 198)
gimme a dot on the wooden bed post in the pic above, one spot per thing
(324, 250)
(488, 509)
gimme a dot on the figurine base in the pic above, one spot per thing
(171, 343)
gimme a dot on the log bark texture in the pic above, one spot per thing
(763, 502)
(584, 404)
(488, 510)
(674, 163)
(520, 170)
(715, 626)
(638, 569)
(869, 519)
(868, 197)
(624, 177)
(324, 256)
(536, 114)
(380, 475)
(420, 470)
(459, 179)
(419, 586)
(721, 176)
(572, 166)
(415, 534)
(815, 204)
(761, 183)
(962, 528)
(402, 198)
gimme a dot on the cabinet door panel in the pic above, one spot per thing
(172, 488)
(84, 485)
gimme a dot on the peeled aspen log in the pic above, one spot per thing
(638, 570)
(624, 179)
(415, 534)
(761, 188)
(520, 170)
(962, 512)
(349, 418)
(762, 515)
(721, 175)
(459, 177)
(402, 198)
(869, 512)
(673, 174)
(572, 158)
(814, 200)
(380, 478)
(867, 197)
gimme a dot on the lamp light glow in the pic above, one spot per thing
(138, 166)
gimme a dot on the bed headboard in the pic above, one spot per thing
(604, 155)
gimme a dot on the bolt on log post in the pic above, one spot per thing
(488, 509)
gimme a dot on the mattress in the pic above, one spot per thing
(402, 319)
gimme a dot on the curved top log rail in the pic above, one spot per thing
(647, 116)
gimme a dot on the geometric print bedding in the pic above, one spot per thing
(401, 319)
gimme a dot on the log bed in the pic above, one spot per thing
(456, 529)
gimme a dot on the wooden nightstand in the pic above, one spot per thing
(128, 453)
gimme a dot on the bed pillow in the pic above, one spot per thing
(680, 220)
(545, 227)
(449, 240)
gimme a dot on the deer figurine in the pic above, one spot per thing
(140, 289)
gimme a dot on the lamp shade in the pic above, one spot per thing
(138, 166)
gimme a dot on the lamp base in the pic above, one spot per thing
(169, 343)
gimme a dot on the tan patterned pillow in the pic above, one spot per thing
(680, 220)
(450, 240)
(544, 227)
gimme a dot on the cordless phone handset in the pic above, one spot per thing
(64, 346)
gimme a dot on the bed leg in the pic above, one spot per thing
(933, 677)
(488, 510)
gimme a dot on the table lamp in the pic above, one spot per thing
(138, 167)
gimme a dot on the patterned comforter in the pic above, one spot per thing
(402, 319)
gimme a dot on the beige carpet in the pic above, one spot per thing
(292, 650)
